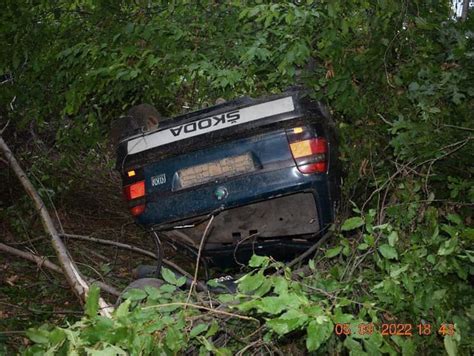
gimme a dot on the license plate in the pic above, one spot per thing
(204, 173)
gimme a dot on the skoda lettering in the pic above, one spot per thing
(231, 117)
(283, 106)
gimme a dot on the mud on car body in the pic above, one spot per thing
(266, 168)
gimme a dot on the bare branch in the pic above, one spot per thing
(196, 306)
(71, 272)
(139, 250)
(203, 238)
(310, 250)
(44, 262)
(4, 127)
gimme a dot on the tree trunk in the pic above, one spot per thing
(465, 9)
(70, 270)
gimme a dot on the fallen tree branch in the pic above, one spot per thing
(111, 243)
(201, 286)
(309, 251)
(44, 262)
(79, 286)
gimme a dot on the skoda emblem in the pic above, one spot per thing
(221, 193)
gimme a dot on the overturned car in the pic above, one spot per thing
(265, 169)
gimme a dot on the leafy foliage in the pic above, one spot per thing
(277, 304)
(399, 80)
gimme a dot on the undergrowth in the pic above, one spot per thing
(369, 277)
(398, 78)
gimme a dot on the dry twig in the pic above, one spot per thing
(203, 238)
(44, 262)
(124, 246)
(309, 251)
(196, 306)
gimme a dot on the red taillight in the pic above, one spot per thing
(137, 210)
(309, 153)
(135, 191)
(320, 167)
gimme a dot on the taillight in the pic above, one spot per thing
(135, 194)
(137, 210)
(309, 152)
(135, 190)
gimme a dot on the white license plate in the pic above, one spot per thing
(204, 173)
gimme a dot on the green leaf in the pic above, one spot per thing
(167, 288)
(317, 334)
(58, 335)
(92, 301)
(213, 329)
(272, 305)
(111, 350)
(352, 223)
(40, 336)
(213, 283)
(174, 339)
(168, 276)
(393, 238)
(153, 292)
(333, 252)
(280, 326)
(135, 294)
(155, 326)
(450, 345)
(341, 318)
(354, 346)
(280, 285)
(226, 298)
(249, 283)
(181, 281)
(264, 288)
(122, 310)
(259, 261)
(448, 247)
(397, 272)
(198, 329)
(388, 251)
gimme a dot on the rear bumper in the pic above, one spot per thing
(175, 207)
(288, 216)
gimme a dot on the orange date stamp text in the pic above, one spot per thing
(393, 329)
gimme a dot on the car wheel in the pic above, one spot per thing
(140, 118)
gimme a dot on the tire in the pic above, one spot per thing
(140, 118)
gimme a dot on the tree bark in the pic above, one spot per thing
(465, 9)
(71, 272)
(44, 262)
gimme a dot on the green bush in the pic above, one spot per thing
(375, 275)
(399, 80)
